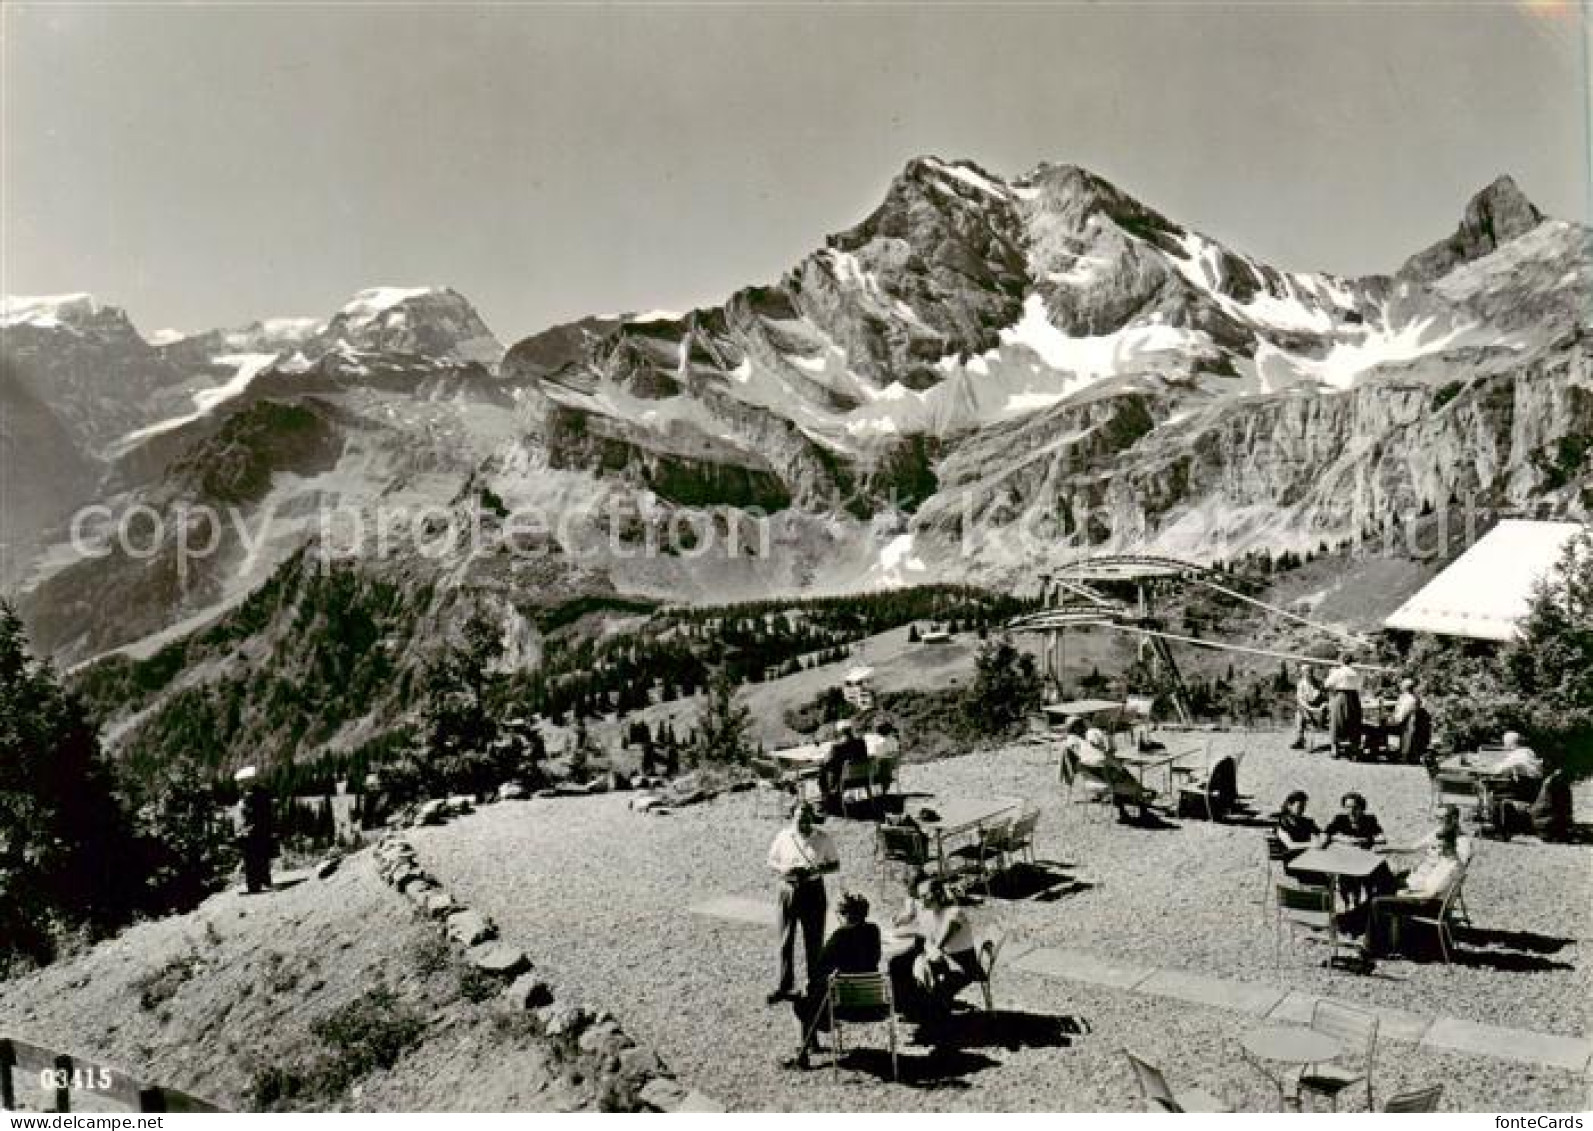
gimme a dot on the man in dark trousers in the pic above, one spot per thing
(255, 840)
(848, 747)
(801, 855)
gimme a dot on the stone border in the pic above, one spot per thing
(592, 1038)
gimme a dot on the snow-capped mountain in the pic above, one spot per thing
(980, 373)
(434, 322)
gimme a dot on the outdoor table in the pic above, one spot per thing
(1078, 708)
(1478, 764)
(1338, 860)
(1157, 759)
(962, 816)
(1289, 1045)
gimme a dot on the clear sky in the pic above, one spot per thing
(205, 165)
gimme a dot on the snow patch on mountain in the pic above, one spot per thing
(246, 367)
(370, 304)
(45, 312)
(1105, 355)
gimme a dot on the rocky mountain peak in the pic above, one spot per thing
(436, 322)
(1498, 214)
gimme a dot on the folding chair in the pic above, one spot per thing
(1159, 1098)
(990, 844)
(1425, 1099)
(1459, 790)
(1305, 909)
(903, 846)
(1357, 1032)
(1019, 840)
(989, 951)
(860, 999)
(1451, 906)
(1278, 854)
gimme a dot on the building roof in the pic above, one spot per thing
(1484, 593)
(858, 675)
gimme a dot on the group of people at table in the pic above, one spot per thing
(930, 958)
(1334, 703)
(1372, 893)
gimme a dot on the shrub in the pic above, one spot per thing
(1006, 686)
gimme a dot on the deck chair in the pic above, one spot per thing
(1357, 1032)
(1308, 910)
(900, 846)
(860, 999)
(1159, 1098)
(1425, 1099)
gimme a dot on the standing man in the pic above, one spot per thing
(255, 839)
(1310, 706)
(1344, 706)
(801, 855)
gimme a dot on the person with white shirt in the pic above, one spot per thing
(1520, 762)
(1344, 685)
(949, 961)
(801, 855)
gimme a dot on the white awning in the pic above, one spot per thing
(1484, 594)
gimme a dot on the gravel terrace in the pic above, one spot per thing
(598, 896)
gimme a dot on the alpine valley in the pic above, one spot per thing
(982, 376)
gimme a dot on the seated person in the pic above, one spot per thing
(1293, 828)
(1310, 703)
(1519, 772)
(1422, 889)
(1411, 723)
(1095, 754)
(847, 748)
(1354, 824)
(948, 961)
(853, 948)
(1548, 815)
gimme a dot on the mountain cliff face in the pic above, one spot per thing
(980, 377)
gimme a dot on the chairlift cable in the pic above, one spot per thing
(1357, 640)
(1225, 646)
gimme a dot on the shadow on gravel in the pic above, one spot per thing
(931, 1070)
(1521, 950)
(952, 1056)
(1044, 882)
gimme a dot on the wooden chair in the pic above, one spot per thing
(1425, 1099)
(860, 999)
(1305, 909)
(1357, 1032)
(1159, 1097)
